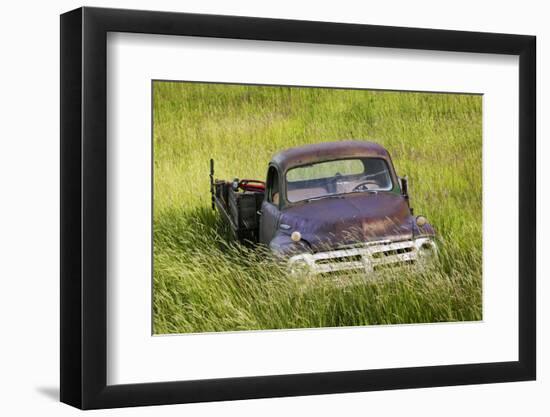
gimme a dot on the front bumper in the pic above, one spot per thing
(366, 257)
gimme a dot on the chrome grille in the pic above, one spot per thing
(366, 257)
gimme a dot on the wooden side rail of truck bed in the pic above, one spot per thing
(239, 203)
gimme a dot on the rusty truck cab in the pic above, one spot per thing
(280, 196)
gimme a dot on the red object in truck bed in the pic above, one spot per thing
(252, 185)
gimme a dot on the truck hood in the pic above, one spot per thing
(360, 217)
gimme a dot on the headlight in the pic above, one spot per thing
(298, 266)
(426, 248)
(296, 236)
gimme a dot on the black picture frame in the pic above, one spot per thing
(84, 207)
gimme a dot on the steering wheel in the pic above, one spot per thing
(363, 186)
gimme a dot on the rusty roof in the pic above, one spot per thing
(326, 151)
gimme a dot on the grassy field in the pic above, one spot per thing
(205, 283)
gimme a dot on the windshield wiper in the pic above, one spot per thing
(366, 191)
(321, 197)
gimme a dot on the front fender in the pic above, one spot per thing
(426, 230)
(282, 246)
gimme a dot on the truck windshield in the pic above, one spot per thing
(344, 176)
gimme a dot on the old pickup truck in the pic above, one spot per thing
(328, 207)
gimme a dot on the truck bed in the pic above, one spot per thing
(239, 209)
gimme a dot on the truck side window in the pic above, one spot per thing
(273, 186)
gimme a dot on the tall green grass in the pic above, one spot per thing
(203, 282)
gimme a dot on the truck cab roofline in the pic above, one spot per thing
(327, 151)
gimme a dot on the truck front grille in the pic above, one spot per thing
(391, 252)
(366, 258)
(340, 259)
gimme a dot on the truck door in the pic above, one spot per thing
(269, 220)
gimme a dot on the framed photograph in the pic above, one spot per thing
(257, 208)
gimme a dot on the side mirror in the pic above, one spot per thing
(404, 186)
